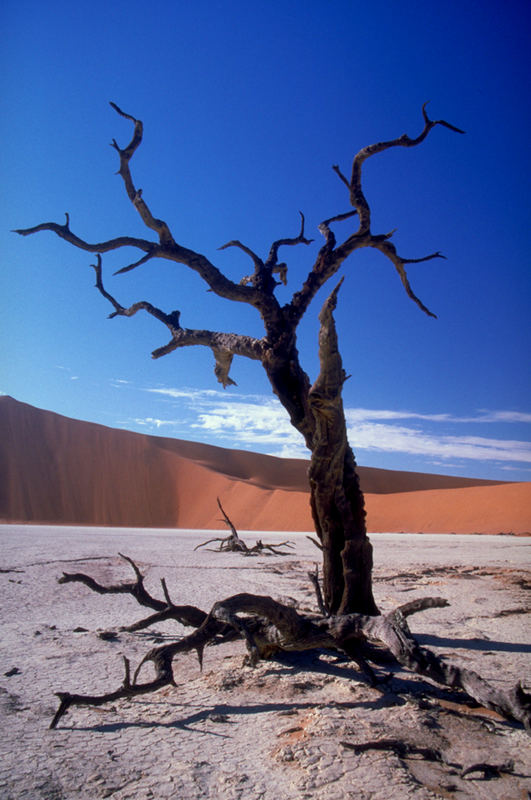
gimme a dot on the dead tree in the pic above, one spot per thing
(233, 543)
(348, 617)
(316, 411)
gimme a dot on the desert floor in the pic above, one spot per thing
(277, 731)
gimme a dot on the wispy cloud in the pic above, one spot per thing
(186, 393)
(265, 424)
(482, 416)
(150, 422)
(258, 422)
(402, 439)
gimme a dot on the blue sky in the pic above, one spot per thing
(246, 105)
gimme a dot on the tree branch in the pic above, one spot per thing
(330, 257)
(328, 261)
(154, 252)
(169, 248)
(64, 232)
(262, 279)
(224, 346)
(389, 250)
(324, 227)
(164, 610)
(269, 626)
(166, 248)
(136, 588)
(272, 258)
(135, 195)
(357, 197)
(258, 263)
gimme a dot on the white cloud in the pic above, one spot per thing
(153, 423)
(482, 416)
(357, 415)
(252, 421)
(188, 394)
(401, 439)
(503, 416)
(265, 424)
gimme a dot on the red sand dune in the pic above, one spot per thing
(60, 470)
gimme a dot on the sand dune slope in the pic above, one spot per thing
(505, 508)
(55, 469)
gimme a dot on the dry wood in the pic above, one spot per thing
(235, 544)
(268, 627)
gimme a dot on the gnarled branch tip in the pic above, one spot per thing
(122, 113)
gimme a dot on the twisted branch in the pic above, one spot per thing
(357, 197)
(135, 195)
(269, 626)
(235, 544)
(331, 257)
(272, 258)
(224, 346)
(258, 263)
(257, 289)
(64, 232)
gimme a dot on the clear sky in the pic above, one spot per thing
(246, 105)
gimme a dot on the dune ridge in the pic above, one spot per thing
(60, 470)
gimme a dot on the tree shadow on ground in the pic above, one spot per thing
(472, 644)
(219, 713)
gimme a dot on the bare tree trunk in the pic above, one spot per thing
(337, 502)
(338, 506)
(338, 512)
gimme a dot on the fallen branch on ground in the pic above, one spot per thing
(269, 627)
(235, 544)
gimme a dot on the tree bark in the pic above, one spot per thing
(336, 499)
(337, 502)
(268, 627)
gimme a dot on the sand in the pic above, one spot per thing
(63, 471)
(274, 732)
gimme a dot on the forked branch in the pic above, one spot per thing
(269, 626)
(64, 232)
(357, 197)
(258, 288)
(272, 259)
(235, 544)
(135, 195)
(224, 346)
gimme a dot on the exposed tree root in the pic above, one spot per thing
(234, 544)
(268, 627)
